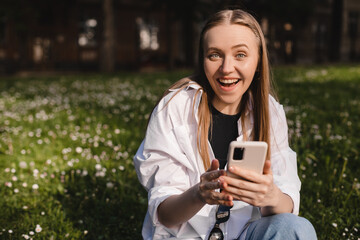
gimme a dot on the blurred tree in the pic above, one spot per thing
(286, 19)
(107, 63)
(12, 13)
(278, 12)
(294, 12)
(188, 12)
(336, 30)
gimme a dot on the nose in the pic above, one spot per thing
(227, 65)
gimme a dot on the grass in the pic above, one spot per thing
(67, 142)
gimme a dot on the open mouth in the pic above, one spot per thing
(228, 82)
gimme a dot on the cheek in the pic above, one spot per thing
(207, 70)
(250, 68)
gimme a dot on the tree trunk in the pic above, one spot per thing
(108, 44)
(336, 30)
(189, 39)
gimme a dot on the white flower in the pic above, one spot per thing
(8, 184)
(24, 184)
(334, 224)
(98, 167)
(26, 236)
(42, 213)
(14, 178)
(35, 172)
(117, 131)
(85, 232)
(16, 190)
(38, 228)
(23, 164)
(31, 233)
(109, 185)
(317, 137)
(25, 207)
(79, 149)
(35, 186)
(10, 231)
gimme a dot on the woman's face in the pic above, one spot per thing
(231, 56)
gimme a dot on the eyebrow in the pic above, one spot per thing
(240, 45)
(233, 47)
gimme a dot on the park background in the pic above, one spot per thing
(78, 80)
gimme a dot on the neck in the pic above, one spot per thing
(228, 109)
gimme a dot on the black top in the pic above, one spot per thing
(224, 130)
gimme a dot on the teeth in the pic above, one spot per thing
(228, 81)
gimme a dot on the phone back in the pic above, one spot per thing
(248, 155)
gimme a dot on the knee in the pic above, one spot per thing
(282, 226)
(301, 227)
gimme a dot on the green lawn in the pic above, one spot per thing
(67, 142)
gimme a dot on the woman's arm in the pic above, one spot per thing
(178, 209)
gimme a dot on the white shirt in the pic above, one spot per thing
(168, 163)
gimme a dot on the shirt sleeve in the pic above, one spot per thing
(283, 158)
(161, 165)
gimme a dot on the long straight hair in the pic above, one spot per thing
(257, 95)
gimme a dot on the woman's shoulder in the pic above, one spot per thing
(180, 103)
(177, 96)
(274, 104)
(276, 109)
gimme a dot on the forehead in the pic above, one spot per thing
(228, 35)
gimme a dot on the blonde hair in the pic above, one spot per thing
(257, 95)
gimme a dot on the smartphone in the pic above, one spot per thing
(248, 155)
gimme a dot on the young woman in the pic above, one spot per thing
(182, 158)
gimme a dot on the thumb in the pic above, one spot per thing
(214, 165)
(267, 167)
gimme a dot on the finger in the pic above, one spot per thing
(249, 198)
(227, 182)
(245, 174)
(225, 203)
(240, 193)
(210, 186)
(267, 167)
(213, 173)
(212, 176)
(214, 165)
(224, 199)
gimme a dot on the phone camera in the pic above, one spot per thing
(238, 153)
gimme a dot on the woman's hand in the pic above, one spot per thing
(209, 182)
(256, 189)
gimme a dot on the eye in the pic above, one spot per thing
(240, 55)
(214, 56)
